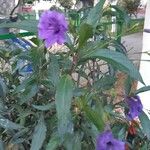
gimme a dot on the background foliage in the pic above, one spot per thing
(131, 6)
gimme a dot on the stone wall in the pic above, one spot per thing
(6, 7)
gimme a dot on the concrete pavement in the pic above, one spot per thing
(135, 44)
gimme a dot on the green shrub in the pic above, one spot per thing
(68, 98)
(130, 6)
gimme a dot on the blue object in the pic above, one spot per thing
(23, 66)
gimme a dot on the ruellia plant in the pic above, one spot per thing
(61, 93)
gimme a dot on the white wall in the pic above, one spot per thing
(145, 66)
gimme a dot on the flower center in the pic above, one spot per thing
(139, 109)
(109, 144)
(57, 30)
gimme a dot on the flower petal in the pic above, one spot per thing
(118, 145)
(135, 107)
(103, 139)
(52, 27)
(49, 42)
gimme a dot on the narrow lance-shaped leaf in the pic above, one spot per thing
(95, 13)
(123, 15)
(30, 91)
(53, 71)
(3, 109)
(128, 85)
(104, 83)
(53, 143)
(143, 89)
(73, 141)
(29, 25)
(93, 115)
(44, 107)
(117, 59)
(1, 145)
(85, 32)
(39, 135)
(18, 137)
(145, 122)
(64, 93)
(2, 89)
(7, 124)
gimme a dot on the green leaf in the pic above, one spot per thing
(66, 63)
(2, 145)
(29, 92)
(24, 84)
(79, 92)
(3, 109)
(119, 47)
(69, 41)
(73, 142)
(39, 135)
(28, 25)
(44, 107)
(104, 83)
(37, 58)
(119, 130)
(145, 123)
(54, 71)
(95, 13)
(85, 32)
(145, 146)
(24, 114)
(77, 142)
(9, 125)
(123, 15)
(116, 59)
(2, 89)
(64, 94)
(53, 143)
(18, 137)
(109, 108)
(93, 116)
(27, 89)
(143, 89)
(128, 85)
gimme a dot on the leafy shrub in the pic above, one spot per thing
(130, 6)
(66, 3)
(67, 99)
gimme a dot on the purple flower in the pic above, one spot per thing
(52, 27)
(135, 107)
(106, 141)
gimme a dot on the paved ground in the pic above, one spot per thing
(133, 43)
